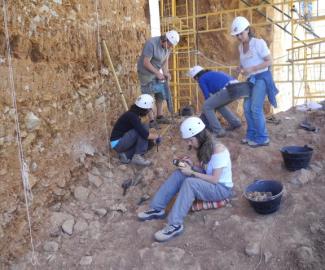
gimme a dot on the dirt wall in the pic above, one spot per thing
(65, 106)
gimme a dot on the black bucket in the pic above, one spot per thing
(239, 90)
(296, 157)
(270, 205)
(187, 111)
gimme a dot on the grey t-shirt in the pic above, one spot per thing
(157, 55)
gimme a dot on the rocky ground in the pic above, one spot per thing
(97, 228)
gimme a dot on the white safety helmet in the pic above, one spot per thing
(239, 24)
(144, 101)
(191, 127)
(173, 37)
(194, 71)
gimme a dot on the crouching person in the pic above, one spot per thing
(211, 182)
(130, 136)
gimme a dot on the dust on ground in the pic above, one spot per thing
(96, 227)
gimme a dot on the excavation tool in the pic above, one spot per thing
(159, 139)
(109, 60)
(131, 182)
(169, 99)
(125, 185)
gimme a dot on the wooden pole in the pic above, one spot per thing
(109, 60)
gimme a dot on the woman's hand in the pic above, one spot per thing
(187, 160)
(248, 71)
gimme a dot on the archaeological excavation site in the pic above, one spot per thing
(162, 134)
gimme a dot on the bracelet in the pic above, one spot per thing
(193, 174)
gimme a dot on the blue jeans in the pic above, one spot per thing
(254, 113)
(132, 143)
(218, 101)
(189, 189)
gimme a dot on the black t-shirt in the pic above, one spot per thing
(127, 121)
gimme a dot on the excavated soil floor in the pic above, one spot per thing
(97, 228)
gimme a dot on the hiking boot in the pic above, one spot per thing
(123, 158)
(162, 120)
(168, 232)
(220, 134)
(151, 214)
(139, 160)
(255, 144)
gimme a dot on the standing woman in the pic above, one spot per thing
(255, 60)
(210, 181)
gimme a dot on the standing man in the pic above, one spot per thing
(154, 58)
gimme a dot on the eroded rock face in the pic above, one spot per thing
(62, 99)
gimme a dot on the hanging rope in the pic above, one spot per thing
(99, 49)
(23, 165)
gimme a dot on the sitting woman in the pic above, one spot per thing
(212, 85)
(211, 181)
(129, 136)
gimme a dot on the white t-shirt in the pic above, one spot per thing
(255, 55)
(221, 160)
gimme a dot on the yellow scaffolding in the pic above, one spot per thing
(306, 55)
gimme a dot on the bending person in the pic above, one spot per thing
(212, 85)
(129, 136)
(255, 60)
(210, 181)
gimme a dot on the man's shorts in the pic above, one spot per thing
(154, 88)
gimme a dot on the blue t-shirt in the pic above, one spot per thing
(213, 81)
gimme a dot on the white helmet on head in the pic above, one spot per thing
(194, 71)
(239, 24)
(173, 37)
(144, 101)
(191, 127)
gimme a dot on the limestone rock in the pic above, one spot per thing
(67, 226)
(58, 218)
(81, 193)
(51, 246)
(118, 207)
(94, 229)
(56, 207)
(100, 102)
(302, 177)
(316, 227)
(316, 167)
(80, 226)
(100, 212)
(95, 180)
(267, 256)
(122, 167)
(304, 255)
(167, 256)
(86, 260)
(32, 121)
(252, 249)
